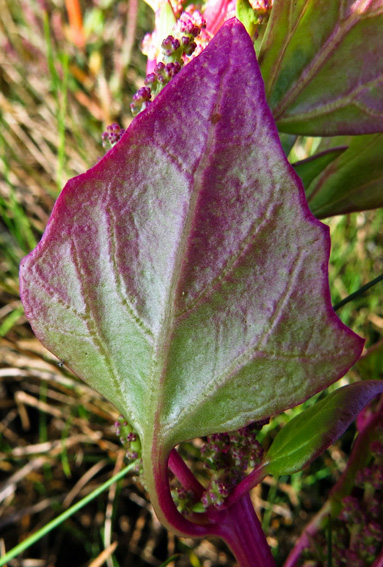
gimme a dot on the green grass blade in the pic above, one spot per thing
(358, 292)
(172, 558)
(64, 516)
(11, 320)
(55, 79)
(59, 87)
(62, 110)
(11, 212)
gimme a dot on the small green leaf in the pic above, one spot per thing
(311, 432)
(199, 508)
(166, 21)
(246, 15)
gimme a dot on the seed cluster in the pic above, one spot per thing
(176, 50)
(189, 39)
(184, 499)
(228, 456)
(261, 6)
(112, 135)
(131, 442)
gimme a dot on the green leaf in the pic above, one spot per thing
(245, 13)
(308, 169)
(353, 182)
(165, 20)
(322, 64)
(287, 142)
(306, 436)
(370, 365)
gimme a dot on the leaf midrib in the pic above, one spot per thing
(162, 349)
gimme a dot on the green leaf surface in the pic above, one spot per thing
(287, 142)
(184, 276)
(165, 20)
(306, 436)
(245, 13)
(370, 365)
(352, 182)
(322, 64)
(308, 169)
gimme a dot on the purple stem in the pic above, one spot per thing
(179, 468)
(240, 528)
(250, 481)
(307, 535)
(379, 561)
(238, 525)
(181, 525)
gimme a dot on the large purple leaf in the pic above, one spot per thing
(184, 276)
(322, 64)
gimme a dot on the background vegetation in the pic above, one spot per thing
(63, 79)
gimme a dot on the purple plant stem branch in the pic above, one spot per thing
(238, 525)
(180, 469)
(241, 529)
(359, 457)
(364, 420)
(342, 488)
(379, 561)
(165, 506)
(250, 481)
(306, 536)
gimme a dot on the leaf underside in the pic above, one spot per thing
(323, 67)
(184, 276)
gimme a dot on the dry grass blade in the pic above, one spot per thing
(104, 555)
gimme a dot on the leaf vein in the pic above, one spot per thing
(95, 332)
(119, 286)
(312, 68)
(253, 232)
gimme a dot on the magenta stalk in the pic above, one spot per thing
(241, 529)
